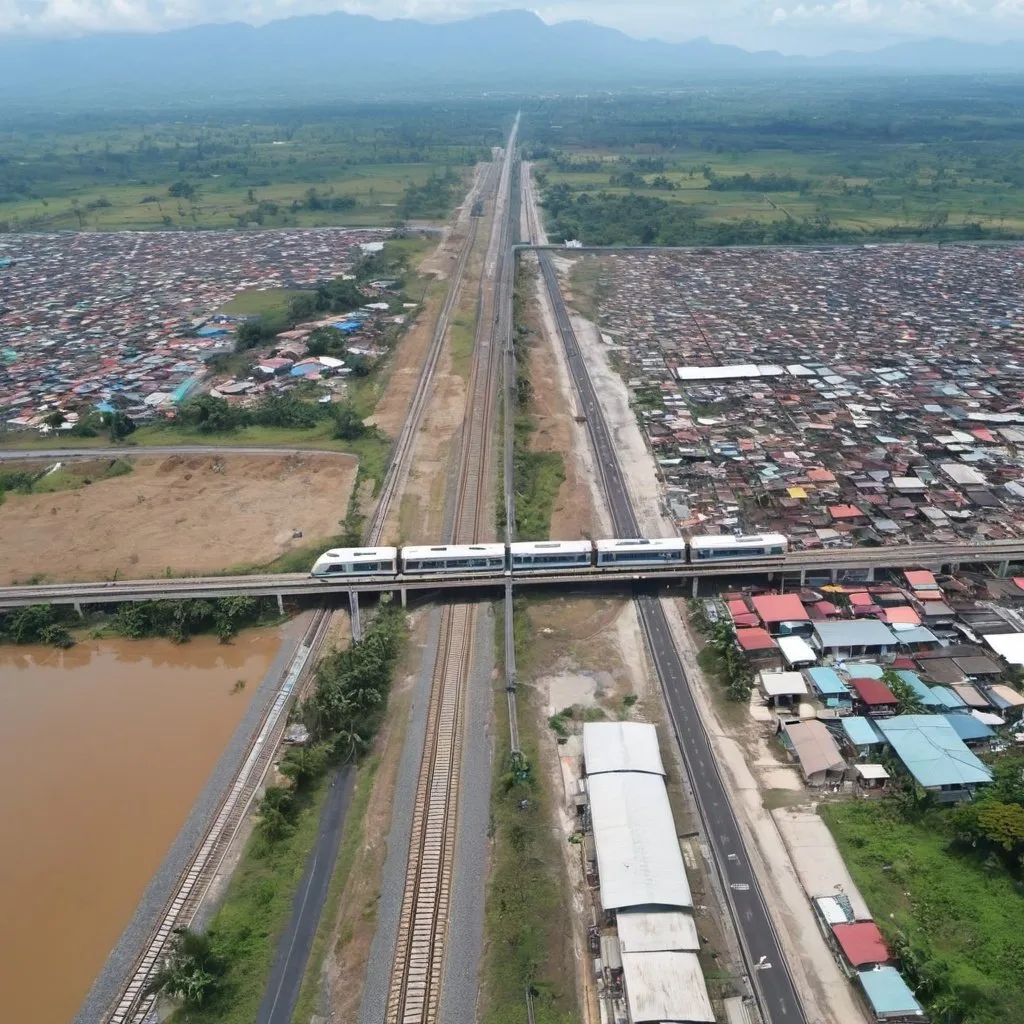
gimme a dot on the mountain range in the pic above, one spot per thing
(338, 56)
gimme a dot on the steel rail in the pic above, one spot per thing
(414, 991)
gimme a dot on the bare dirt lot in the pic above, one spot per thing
(186, 513)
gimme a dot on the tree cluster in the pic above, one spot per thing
(209, 415)
(180, 620)
(37, 624)
(994, 824)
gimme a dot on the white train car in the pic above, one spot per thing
(357, 562)
(533, 556)
(635, 551)
(726, 547)
(454, 558)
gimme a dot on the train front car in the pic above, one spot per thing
(356, 562)
(538, 556)
(636, 552)
(727, 548)
(454, 559)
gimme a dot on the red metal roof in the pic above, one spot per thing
(755, 639)
(862, 943)
(920, 579)
(780, 608)
(845, 512)
(873, 691)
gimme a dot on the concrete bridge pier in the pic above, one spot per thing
(280, 604)
(77, 605)
(696, 582)
(353, 609)
(1004, 569)
(404, 595)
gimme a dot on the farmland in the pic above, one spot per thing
(843, 161)
(353, 166)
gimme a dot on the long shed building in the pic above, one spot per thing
(642, 876)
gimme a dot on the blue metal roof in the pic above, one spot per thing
(944, 697)
(967, 727)
(932, 751)
(861, 732)
(888, 993)
(863, 670)
(922, 692)
(827, 682)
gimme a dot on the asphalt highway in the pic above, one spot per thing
(295, 943)
(768, 970)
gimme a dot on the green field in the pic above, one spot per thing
(954, 917)
(834, 160)
(356, 166)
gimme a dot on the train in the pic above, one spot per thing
(546, 555)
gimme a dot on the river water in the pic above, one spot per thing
(103, 750)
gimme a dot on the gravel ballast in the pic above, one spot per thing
(392, 886)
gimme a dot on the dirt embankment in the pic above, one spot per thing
(186, 513)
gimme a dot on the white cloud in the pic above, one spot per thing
(757, 24)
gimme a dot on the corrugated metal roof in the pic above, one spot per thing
(665, 986)
(782, 684)
(638, 856)
(651, 931)
(827, 682)
(796, 650)
(780, 608)
(861, 732)
(855, 633)
(815, 748)
(967, 727)
(888, 993)
(621, 747)
(932, 752)
(862, 943)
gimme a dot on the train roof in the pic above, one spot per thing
(359, 554)
(727, 540)
(454, 551)
(540, 547)
(641, 543)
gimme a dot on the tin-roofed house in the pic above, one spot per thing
(929, 748)
(889, 997)
(830, 689)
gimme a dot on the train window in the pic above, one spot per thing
(387, 567)
(432, 564)
(336, 567)
(412, 566)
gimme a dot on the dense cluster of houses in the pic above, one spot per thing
(827, 661)
(128, 317)
(839, 396)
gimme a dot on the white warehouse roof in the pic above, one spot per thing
(665, 987)
(638, 856)
(655, 931)
(621, 747)
(731, 371)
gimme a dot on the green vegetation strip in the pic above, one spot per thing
(343, 714)
(528, 906)
(538, 476)
(953, 914)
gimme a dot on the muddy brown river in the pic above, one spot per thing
(103, 750)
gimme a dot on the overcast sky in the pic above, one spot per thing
(795, 26)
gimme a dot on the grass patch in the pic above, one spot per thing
(351, 840)
(254, 912)
(538, 478)
(954, 917)
(39, 480)
(461, 335)
(268, 302)
(527, 900)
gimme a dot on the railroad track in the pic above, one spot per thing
(414, 992)
(135, 1005)
(419, 952)
(400, 461)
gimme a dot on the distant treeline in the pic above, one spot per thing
(607, 219)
